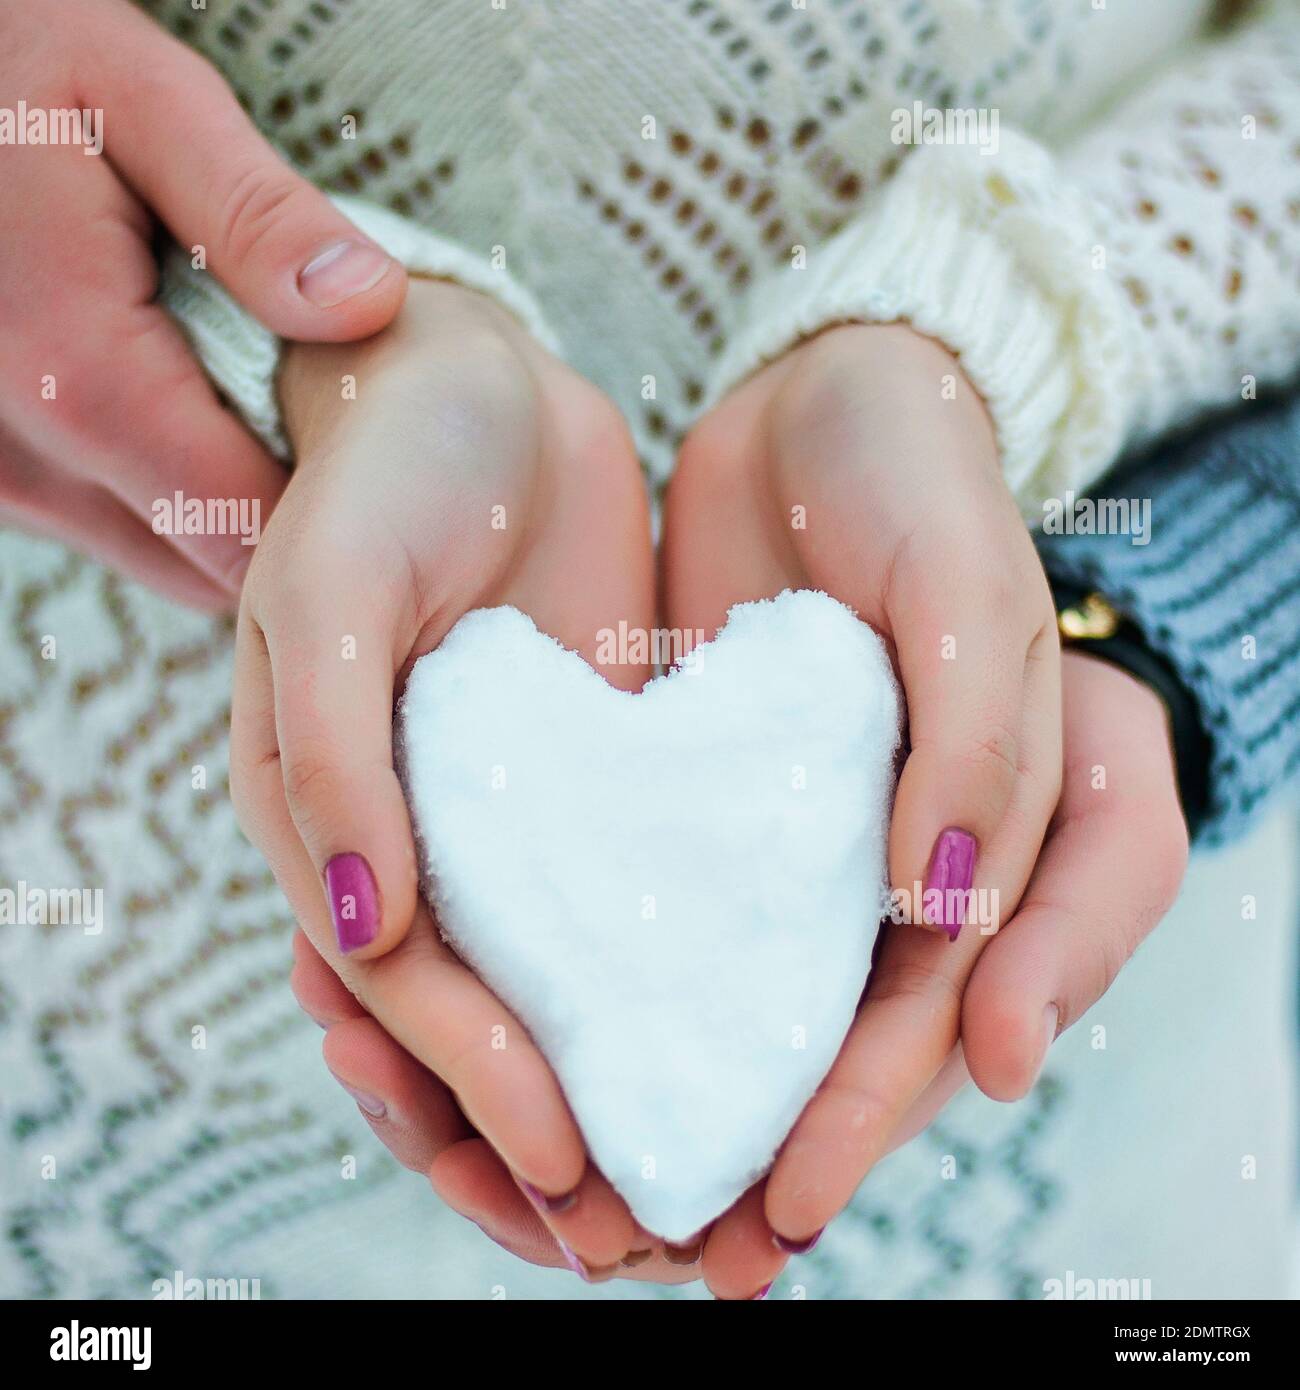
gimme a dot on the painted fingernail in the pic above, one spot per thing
(1051, 1021)
(589, 1274)
(948, 881)
(570, 1259)
(342, 271)
(636, 1257)
(542, 1202)
(683, 1254)
(797, 1247)
(354, 901)
(372, 1105)
(761, 1294)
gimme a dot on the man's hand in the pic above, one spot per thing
(103, 410)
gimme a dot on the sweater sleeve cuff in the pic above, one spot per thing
(990, 253)
(242, 357)
(1216, 595)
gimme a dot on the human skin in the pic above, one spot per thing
(878, 435)
(103, 409)
(863, 463)
(984, 736)
(134, 419)
(469, 468)
(1109, 870)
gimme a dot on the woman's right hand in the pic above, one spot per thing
(448, 464)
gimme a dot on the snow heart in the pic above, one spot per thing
(676, 891)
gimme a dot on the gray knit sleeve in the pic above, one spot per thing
(1215, 588)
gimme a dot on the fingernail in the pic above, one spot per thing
(542, 1202)
(372, 1105)
(354, 901)
(952, 867)
(683, 1254)
(1051, 1019)
(341, 272)
(589, 1274)
(636, 1257)
(761, 1294)
(797, 1247)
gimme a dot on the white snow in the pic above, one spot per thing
(676, 891)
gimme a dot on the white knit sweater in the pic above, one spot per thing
(671, 193)
(163, 1105)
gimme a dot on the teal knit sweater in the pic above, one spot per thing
(1216, 592)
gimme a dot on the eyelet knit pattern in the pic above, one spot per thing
(163, 1105)
(672, 194)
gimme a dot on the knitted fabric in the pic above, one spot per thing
(1216, 590)
(682, 190)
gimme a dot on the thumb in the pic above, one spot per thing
(274, 240)
(325, 649)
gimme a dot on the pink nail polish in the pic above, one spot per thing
(342, 271)
(761, 1294)
(574, 1263)
(688, 1254)
(1051, 1022)
(542, 1202)
(952, 868)
(354, 901)
(372, 1105)
(797, 1247)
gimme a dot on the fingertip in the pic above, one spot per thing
(355, 906)
(591, 1219)
(552, 1164)
(300, 945)
(472, 1180)
(1005, 1043)
(792, 1213)
(372, 913)
(359, 1054)
(319, 991)
(350, 289)
(741, 1258)
(1013, 1001)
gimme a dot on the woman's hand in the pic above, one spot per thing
(103, 409)
(1022, 981)
(448, 464)
(1111, 867)
(864, 464)
(844, 467)
(414, 1116)
(1109, 870)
